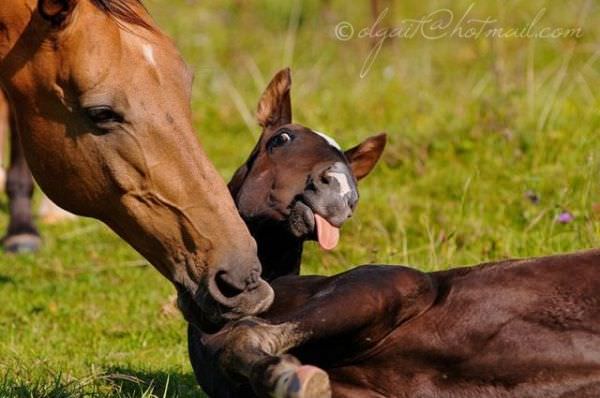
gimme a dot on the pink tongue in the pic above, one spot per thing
(327, 234)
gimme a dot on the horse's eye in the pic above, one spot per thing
(103, 115)
(280, 140)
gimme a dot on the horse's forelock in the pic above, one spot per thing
(123, 10)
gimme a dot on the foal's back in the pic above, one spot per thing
(518, 328)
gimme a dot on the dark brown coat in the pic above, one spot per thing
(518, 328)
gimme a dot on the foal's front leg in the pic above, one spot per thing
(254, 350)
(365, 303)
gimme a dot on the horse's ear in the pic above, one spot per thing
(364, 156)
(275, 107)
(56, 11)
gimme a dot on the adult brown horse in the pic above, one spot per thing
(101, 103)
(516, 328)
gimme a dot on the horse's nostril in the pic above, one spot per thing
(226, 288)
(253, 280)
(237, 290)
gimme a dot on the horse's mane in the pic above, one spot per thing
(123, 10)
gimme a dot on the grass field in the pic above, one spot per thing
(490, 140)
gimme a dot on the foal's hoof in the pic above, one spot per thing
(304, 382)
(22, 243)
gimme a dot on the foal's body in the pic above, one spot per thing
(521, 328)
(517, 328)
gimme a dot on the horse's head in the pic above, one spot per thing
(297, 176)
(102, 101)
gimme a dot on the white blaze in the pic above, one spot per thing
(342, 179)
(329, 140)
(149, 54)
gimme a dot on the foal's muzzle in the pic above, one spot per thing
(331, 193)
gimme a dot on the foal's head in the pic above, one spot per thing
(296, 179)
(102, 101)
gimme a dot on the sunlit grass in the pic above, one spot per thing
(475, 126)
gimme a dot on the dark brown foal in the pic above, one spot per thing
(515, 328)
(296, 185)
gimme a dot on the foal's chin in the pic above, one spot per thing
(302, 221)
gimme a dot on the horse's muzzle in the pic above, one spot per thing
(239, 294)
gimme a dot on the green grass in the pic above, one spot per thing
(473, 125)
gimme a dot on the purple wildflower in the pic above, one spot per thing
(565, 217)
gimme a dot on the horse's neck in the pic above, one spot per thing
(279, 251)
(14, 17)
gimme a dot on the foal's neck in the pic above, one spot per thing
(279, 252)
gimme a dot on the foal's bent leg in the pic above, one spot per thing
(22, 235)
(253, 350)
(365, 303)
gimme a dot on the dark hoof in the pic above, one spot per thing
(304, 382)
(22, 243)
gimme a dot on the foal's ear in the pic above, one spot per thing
(275, 107)
(56, 11)
(364, 156)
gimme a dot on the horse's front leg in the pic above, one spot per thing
(22, 235)
(4, 131)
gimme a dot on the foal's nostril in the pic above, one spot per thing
(351, 201)
(310, 186)
(325, 179)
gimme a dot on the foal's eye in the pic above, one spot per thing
(280, 140)
(103, 115)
